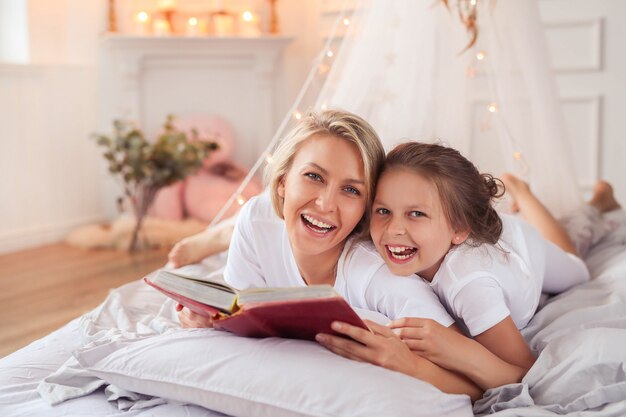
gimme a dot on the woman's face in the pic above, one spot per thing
(324, 195)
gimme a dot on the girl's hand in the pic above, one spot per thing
(380, 347)
(431, 340)
(188, 319)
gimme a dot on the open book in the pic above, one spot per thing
(291, 312)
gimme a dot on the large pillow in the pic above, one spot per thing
(264, 377)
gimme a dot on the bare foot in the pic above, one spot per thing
(603, 198)
(516, 188)
(190, 250)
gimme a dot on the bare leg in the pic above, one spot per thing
(603, 198)
(206, 243)
(535, 213)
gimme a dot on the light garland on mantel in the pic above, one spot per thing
(321, 67)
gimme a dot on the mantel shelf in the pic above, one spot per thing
(206, 43)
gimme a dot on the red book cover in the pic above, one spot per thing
(294, 319)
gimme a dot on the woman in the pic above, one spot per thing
(306, 231)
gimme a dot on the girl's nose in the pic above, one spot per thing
(396, 227)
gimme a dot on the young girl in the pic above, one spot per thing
(305, 231)
(432, 216)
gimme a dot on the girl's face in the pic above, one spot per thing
(409, 227)
(324, 195)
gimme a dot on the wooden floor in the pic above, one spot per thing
(44, 288)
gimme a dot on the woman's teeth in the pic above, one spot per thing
(319, 225)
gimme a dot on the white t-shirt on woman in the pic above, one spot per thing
(260, 255)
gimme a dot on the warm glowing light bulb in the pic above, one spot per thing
(323, 69)
(241, 200)
(269, 159)
(324, 106)
(330, 54)
(346, 21)
(493, 107)
(297, 115)
(518, 156)
(481, 55)
(192, 21)
(473, 2)
(142, 17)
(247, 16)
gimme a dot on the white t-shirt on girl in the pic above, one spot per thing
(260, 255)
(481, 286)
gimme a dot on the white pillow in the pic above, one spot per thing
(263, 377)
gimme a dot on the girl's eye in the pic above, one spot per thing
(313, 176)
(382, 211)
(352, 190)
(416, 213)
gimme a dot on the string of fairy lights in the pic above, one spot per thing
(321, 66)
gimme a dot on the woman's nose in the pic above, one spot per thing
(327, 200)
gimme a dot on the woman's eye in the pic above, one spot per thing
(313, 176)
(382, 211)
(416, 213)
(352, 190)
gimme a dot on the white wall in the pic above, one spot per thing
(51, 174)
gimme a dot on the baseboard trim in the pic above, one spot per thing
(32, 237)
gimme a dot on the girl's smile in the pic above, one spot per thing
(409, 226)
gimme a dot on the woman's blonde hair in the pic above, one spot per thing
(340, 124)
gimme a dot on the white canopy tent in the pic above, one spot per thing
(404, 66)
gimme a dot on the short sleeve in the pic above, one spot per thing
(480, 305)
(397, 297)
(242, 264)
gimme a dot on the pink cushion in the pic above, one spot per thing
(206, 193)
(168, 203)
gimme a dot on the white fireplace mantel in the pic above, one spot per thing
(146, 78)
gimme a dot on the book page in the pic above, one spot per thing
(258, 295)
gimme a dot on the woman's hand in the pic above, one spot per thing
(188, 319)
(380, 347)
(431, 340)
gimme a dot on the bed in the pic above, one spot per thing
(128, 357)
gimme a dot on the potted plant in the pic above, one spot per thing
(145, 167)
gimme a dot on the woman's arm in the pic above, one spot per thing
(495, 357)
(383, 348)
